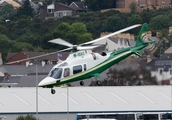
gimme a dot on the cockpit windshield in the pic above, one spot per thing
(55, 73)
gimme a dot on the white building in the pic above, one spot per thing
(69, 101)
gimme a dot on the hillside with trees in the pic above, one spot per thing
(25, 31)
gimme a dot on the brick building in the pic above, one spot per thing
(144, 3)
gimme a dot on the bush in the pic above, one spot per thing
(28, 117)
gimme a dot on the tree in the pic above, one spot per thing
(96, 5)
(133, 7)
(5, 45)
(7, 11)
(146, 15)
(134, 19)
(20, 46)
(25, 10)
(75, 33)
(113, 23)
(159, 22)
(28, 117)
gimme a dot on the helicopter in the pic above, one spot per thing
(82, 63)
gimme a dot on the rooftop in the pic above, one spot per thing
(87, 99)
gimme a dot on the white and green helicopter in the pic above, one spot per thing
(82, 63)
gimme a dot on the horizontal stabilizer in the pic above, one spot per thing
(138, 53)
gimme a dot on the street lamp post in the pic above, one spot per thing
(36, 91)
(67, 103)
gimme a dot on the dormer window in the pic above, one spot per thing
(50, 10)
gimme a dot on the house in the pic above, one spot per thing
(13, 3)
(144, 3)
(79, 6)
(117, 42)
(59, 10)
(161, 69)
(35, 57)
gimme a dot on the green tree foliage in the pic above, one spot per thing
(22, 28)
(25, 10)
(146, 15)
(5, 45)
(96, 5)
(113, 23)
(61, 30)
(134, 19)
(19, 46)
(127, 76)
(75, 33)
(28, 117)
(7, 11)
(159, 22)
(133, 7)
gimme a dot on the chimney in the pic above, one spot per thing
(170, 30)
(158, 34)
(149, 34)
(1, 59)
(148, 58)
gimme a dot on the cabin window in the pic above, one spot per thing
(66, 72)
(85, 67)
(77, 69)
(55, 73)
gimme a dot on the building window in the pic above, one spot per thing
(50, 10)
(160, 71)
(170, 71)
(62, 13)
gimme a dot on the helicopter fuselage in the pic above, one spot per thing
(83, 65)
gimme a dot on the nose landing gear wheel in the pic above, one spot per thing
(53, 91)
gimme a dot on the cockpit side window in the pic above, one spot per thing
(66, 72)
(55, 73)
(77, 69)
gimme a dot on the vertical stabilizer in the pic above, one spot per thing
(142, 35)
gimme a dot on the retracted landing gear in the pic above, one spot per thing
(81, 83)
(97, 76)
(53, 91)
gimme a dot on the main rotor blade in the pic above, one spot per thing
(61, 42)
(112, 34)
(17, 61)
(86, 47)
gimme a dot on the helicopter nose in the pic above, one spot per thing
(47, 81)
